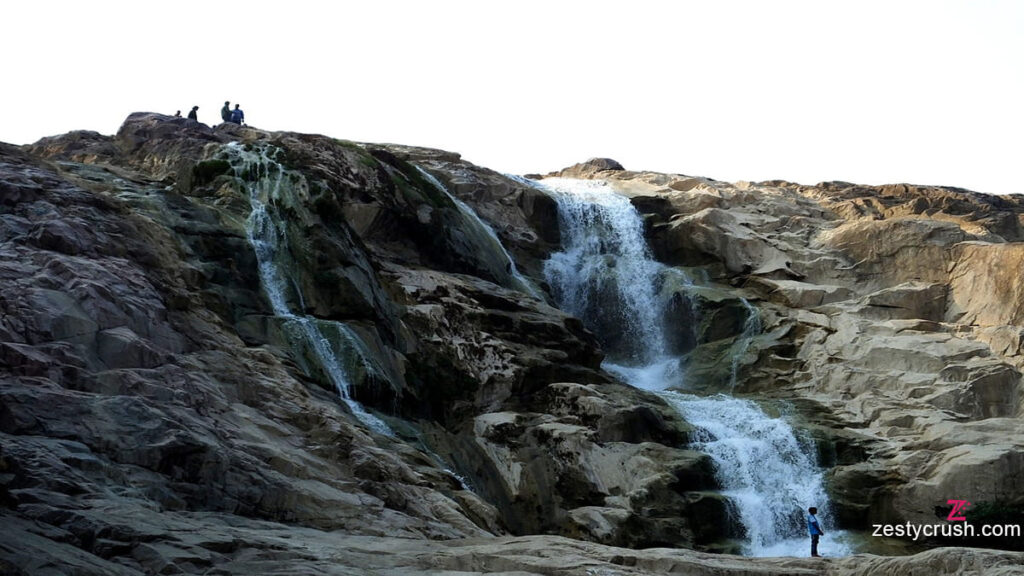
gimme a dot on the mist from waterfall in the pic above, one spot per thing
(267, 183)
(606, 276)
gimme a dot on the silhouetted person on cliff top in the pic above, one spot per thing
(225, 112)
(237, 116)
(192, 115)
(177, 114)
(814, 529)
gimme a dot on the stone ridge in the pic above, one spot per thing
(157, 417)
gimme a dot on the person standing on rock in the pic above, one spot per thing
(177, 114)
(192, 115)
(237, 116)
(814, 529)
(225, 112)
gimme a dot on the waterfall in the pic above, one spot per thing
(268, 183)
(605, 272)
(606, 276)
(488, 240)
(769, 475)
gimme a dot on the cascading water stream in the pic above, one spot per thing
(765, 470)
(268, 182)
(489, 238)
(606, 276)
(604, 269)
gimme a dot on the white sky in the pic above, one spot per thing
(929, 92)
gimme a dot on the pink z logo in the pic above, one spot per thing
(958, 508)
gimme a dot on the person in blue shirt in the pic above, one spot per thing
(814, 529)
(237, 116)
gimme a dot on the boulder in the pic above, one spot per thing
(885, 253)
(910, 300)
(588, 169)
(984, 288)
(717, 235)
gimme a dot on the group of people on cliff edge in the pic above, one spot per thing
(228, 115)
(191, 115)
(235, 116)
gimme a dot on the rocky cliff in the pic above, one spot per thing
(164, 412)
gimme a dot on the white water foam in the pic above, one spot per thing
(605, 272)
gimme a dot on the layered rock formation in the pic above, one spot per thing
(158, 416)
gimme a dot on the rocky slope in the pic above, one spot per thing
(159, 416)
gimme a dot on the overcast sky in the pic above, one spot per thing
(928, 92)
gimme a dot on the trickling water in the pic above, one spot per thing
(605, 275)
(463, 483)
(509, 276)
(751, 328)
(268, 182)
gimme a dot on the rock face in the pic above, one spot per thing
(891, 314)
(158, 416)
(148, 384)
